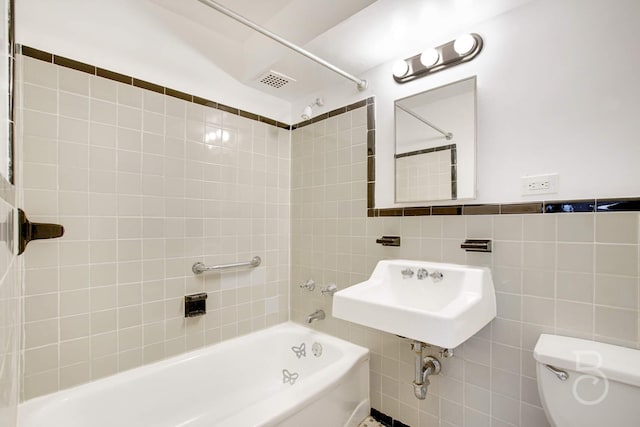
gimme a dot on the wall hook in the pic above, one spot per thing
(29, 231)
(389, 241)
(476, 245)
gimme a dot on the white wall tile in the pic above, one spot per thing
(617, 228)
(576, 227)
(103, 89)
(73, 130)
(103, 112)
(71, 80)
(619, 260)
(616, 324)
(39, 98)
(123, 169)
(39, 72)
(72, 105)
(102, 135)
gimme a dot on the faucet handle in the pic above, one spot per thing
(309, 285)
(329, 290)
(407, 273)
(422, 273)
(436, 276)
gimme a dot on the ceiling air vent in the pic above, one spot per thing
(275, 79)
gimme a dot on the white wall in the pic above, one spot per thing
(556, 93)
(141, 39)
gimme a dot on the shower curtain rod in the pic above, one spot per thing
(362, 84)
(446, 134)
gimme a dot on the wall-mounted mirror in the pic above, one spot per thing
(435, 155)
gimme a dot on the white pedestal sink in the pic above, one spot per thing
(435, 303)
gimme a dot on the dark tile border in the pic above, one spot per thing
(620, 205)
(121, 78)
(154, 88)
(7, 190)
(481, 209)
(386, 420)
(369, 102)
(371, 153)
(75, 65)
(522, 208)
(111, 75)
(570, 206)
(36, 54)
(426, 151)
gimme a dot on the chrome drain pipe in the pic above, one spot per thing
(424, 367)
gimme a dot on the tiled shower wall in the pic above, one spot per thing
(145, 185)
(10, 319)
(572, 274)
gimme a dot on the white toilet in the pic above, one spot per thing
(586, 383)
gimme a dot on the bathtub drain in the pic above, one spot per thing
(316, 348)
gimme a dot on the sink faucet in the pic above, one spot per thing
(316, 315)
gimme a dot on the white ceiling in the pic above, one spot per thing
(258, 11)
(356, 35)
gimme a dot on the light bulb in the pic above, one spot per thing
(429, 57)
(464, 44)
(400, 68)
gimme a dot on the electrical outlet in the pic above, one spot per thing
(539, 184)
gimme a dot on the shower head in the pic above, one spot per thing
(306, 113)
(308, 110)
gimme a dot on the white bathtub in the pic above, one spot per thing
(236, 383)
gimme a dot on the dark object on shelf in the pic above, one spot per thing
(195, 304)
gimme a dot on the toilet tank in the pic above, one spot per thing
(602, 387)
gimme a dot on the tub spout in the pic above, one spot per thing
(316, 315)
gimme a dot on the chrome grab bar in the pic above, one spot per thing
(199, 267)
(562, 375)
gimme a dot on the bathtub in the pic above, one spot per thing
(286, 375)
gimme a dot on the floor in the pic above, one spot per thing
(370, 422)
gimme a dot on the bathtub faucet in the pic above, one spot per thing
(316, 315)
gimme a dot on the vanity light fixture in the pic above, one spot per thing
(432, 60)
